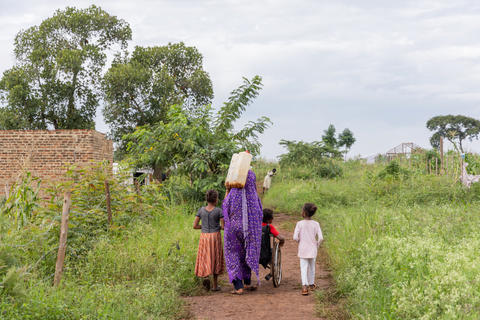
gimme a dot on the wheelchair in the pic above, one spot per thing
(275, 264)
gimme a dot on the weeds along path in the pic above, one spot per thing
(268, 302)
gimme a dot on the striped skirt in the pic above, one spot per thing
(210, 255)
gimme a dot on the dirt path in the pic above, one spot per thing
(267, 302)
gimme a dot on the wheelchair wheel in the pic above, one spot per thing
(276, 264)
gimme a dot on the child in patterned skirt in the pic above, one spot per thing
(210, 259)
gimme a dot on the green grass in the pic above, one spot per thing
(137, 274)
(400, 248)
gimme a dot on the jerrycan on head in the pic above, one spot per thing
(238, 170)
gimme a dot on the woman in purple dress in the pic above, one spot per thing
(242, 211)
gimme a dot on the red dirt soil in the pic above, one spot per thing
(267, 302)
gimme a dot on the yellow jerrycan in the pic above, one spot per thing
(238, 170)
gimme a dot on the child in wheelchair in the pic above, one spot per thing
(266, 249)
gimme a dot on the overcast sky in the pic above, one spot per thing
(380, 68)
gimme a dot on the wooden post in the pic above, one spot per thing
(429, 167)
(441, 156)
(446, 165)
(137, 189)
(67, 202)
(7, 191)
(436, 166)
(108, 201)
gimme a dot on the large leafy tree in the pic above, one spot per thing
(454, 128)
(199, 145)
(56, 80)
(139, 89)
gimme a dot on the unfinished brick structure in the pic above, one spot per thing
(47, 153)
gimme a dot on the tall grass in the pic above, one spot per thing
(135, 268)
(401, 248)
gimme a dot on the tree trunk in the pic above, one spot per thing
(461, 146)
(71, 100)
(62, 247)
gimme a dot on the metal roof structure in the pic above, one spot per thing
(405, 148)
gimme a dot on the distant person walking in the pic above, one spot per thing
(210, 250)
(267, 182)
(309, 236)
(242, 211)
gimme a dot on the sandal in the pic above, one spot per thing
(216, 289)
(312, 287)
(250, 288)
(238, 292)
(304, 291)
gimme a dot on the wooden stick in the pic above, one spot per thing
(67, 202)
(137, 189)
(446, 165)
(108, 201)
(441, 156)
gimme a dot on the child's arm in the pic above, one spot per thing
(277, 235)
(296, 233)
(196, 224)
(319, 235)
(281, 239)
(222, 224)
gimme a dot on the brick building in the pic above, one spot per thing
(47, 153)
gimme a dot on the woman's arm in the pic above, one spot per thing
(222, 224)
(196, 224)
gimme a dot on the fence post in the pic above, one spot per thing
(137, 189)
(446, 165)
(7, 191)
(108, 201)
(441, 156)
(67, 202)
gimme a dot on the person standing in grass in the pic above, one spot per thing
(210, 259)
(309, 236)
(267, 181)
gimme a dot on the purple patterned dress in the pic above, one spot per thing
(242, 211)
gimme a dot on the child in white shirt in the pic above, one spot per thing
(309, 236)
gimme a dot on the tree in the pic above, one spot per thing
(200, 145)
(56, 80)
(329, 137)
(346, 139)
(454, 128)
(313, 157)
(140, 89)
(302, 153)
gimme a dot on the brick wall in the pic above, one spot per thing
(47, 153)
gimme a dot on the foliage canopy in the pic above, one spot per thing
(140, 89)
(56, 80)
(200, 145)
(454, 128)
